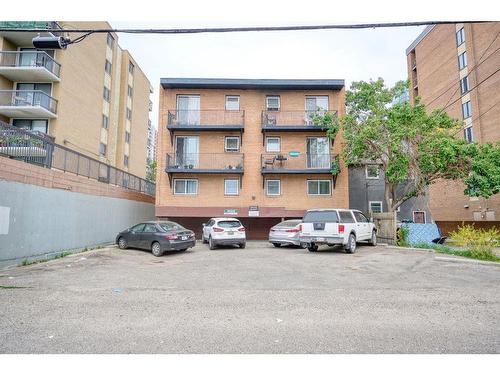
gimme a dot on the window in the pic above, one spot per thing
(460, 37)
(110, 41)
(188, 110)
(130, 68)
(125, 160)
(231, 187)
(273, 103)
(229, 224)
(137, 228)
(129, 113)
(462, 60)
(170, 225)
(130, 91)
(31, 125)
(127, 137)
(375, 206)
(316, 103)
(273, 144)
(106, 94)
(346, 217)
(185, 186)
(273, 187)
(468, 134)
(464, 84)
(105, 122)
(467, 109)
(107, 66)
(232, 103)
(323, 216)
(232, 144)
(360, 218)
(318, 152)
(372, 172)
(419, 217)
(319, 187)
(102, 149)
(186, 151)
(150, 228)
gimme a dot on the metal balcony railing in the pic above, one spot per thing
(28, 98)
(33, 59)
(290, 118)
(194, 162)
(299, 162)
(206, 118)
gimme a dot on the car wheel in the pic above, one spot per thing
(351, 244)
(203, 239)
(312, 247)
(156, 249)
(303, 245)
(373, 240)
(211, 243)
(275, 244)
(122, 243)
(243, 245)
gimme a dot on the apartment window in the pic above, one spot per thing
(273, 187)
(127, 137)
(130, 91)
(375, 206)
(125, 160)
(316, 103)
(232, 144)
(464, 84)
(130, 68)
(185, 186)
(231, 187)
(102, 149)
(110, 41)
(31, 125)
(106, 94)
(273, 103)
(419, 217)
(273, 144)
(372, 172)
(319, 187)
(129, 114)
(466, 109)
(460, 37)
(232, 103)
(462, 60)
(107, 66)
(105, 122)
(468, 134)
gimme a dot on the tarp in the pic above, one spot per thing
(422, 233)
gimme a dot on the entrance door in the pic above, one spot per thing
(186, 151)
(318, 152)
(188, 109)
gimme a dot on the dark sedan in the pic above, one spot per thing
(157, 236)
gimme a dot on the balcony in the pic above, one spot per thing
(298, 163)
(33, 66)
(291, 121)
(25, 38)
(230, 162)
(27, 104)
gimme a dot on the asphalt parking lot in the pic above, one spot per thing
(254, 300)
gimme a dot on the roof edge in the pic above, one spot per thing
(289, 84)
(419, 38)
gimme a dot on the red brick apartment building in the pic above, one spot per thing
(246, 148)
(456, 67)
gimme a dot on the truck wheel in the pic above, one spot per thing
(312, 247)
(351, 244)
(373, 240)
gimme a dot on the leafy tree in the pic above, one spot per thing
(414, 148)
(151, 171)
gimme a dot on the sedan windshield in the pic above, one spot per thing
(171, 226)
(229, 224)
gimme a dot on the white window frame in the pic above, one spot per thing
(279, 187)
(460, 37)
(273, 108)
(185, 186)
(466, 86)
(413, 216)
(467, 105)
(237, 187)
(370, 177)
(279, 144)
(226, 149)
(462, 60)
(232, 97)
(377, 202)
(319, 194)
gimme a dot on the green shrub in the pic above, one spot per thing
(480, 242)
(402, 236)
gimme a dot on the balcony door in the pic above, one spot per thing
(186, 151)
(318, 152)
(188, 109)
(315, 104)
(27, 94)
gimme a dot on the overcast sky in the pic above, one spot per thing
(350, 55)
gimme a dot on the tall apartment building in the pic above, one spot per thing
(456, 67)
(152, 139)
(247, 148)
(91, 97)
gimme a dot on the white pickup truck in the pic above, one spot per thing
(333, 226)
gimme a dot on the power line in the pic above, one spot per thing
(242, 29)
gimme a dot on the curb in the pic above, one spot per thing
(466, 260)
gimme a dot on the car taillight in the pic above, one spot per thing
(341, 228)
(218, 229)
(242, 229)
(171, 237)
(294, 230)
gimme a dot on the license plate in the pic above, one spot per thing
(184, 238)
(320, 239)
(230, 233)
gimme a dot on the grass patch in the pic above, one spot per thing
(12, 287)
(466, 253)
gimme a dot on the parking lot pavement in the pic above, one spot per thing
(254, 300)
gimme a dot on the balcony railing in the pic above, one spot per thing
(205, 163)
(30, 59)
(201, 118)
(290, 119)
(28, 98)
(294, 162)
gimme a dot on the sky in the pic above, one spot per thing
(345, 54)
